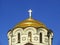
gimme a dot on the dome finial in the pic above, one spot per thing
(30, 11)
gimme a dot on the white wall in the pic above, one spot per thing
(24, 36)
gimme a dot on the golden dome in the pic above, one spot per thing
(30, 23)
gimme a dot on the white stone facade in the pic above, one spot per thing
(33, 38)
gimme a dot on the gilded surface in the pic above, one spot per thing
(30, 22)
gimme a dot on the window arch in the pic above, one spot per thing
(40, 37)
(18, 37)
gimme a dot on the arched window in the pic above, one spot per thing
(40, 37)
(18, 37)
(29, 35)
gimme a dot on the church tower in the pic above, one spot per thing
(30, 32)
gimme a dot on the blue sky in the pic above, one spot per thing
(14, 11)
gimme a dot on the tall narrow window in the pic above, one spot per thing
(40, 37)
(29, 35)
(18, 37)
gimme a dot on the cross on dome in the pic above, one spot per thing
(30, 13)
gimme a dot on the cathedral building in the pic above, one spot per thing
(30, 32)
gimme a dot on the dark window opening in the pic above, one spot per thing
(18, 37)
(40, 37)
(29, 35)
